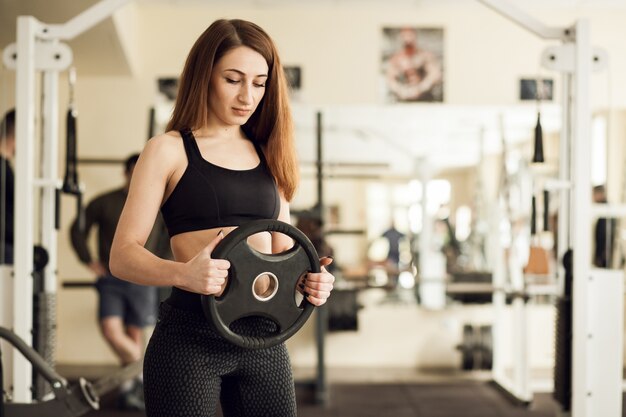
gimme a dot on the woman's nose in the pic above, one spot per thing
(245, 94)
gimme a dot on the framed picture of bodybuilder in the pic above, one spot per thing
(412, 64)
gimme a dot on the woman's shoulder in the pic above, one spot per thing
(167, 138)
(165, 146)
(164, 142)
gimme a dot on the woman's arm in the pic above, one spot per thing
(129, 259)
(280, 241)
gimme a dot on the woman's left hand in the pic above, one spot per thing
(318, 286)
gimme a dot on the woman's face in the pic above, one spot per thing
(237, 86)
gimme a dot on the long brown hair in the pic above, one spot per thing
(271, 125)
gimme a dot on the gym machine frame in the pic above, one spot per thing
(38, 49)
(65, 400)
(598, 304)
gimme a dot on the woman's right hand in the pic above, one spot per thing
(206, 275)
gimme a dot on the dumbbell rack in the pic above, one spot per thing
(476, 348)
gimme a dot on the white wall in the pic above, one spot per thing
(339, 47)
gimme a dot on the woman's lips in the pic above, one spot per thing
(241, 112)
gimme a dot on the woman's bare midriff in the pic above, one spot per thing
(187, 245)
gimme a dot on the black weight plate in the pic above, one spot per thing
(238, 299)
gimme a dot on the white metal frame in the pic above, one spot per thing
(37, 50)
(597, 293)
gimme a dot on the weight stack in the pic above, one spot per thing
(44, 337)
(563, 340)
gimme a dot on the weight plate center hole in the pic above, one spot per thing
(265, 286)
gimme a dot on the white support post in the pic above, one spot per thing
(431, 262)
(27, 28)
(605, 344)
(521, 366)
(425, 236)
(50, 173)
(580, 226)
(509, 329)
(583, 391)
(565, 177)
(500, 336)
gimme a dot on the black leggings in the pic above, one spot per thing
(187, 365)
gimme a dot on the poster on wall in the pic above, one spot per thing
(529, 91)
(293, 73)
(412, 64)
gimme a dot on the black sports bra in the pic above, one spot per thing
(209, 196)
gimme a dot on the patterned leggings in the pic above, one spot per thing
(187, 365)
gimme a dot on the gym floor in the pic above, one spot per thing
(461, 399)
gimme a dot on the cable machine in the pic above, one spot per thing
(597, 294)
(38, 50)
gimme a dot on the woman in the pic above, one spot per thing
(228, 157)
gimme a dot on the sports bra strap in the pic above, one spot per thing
(193, 151)
(259, 152)
(191, 147)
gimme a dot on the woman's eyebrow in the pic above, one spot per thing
(243, 73)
